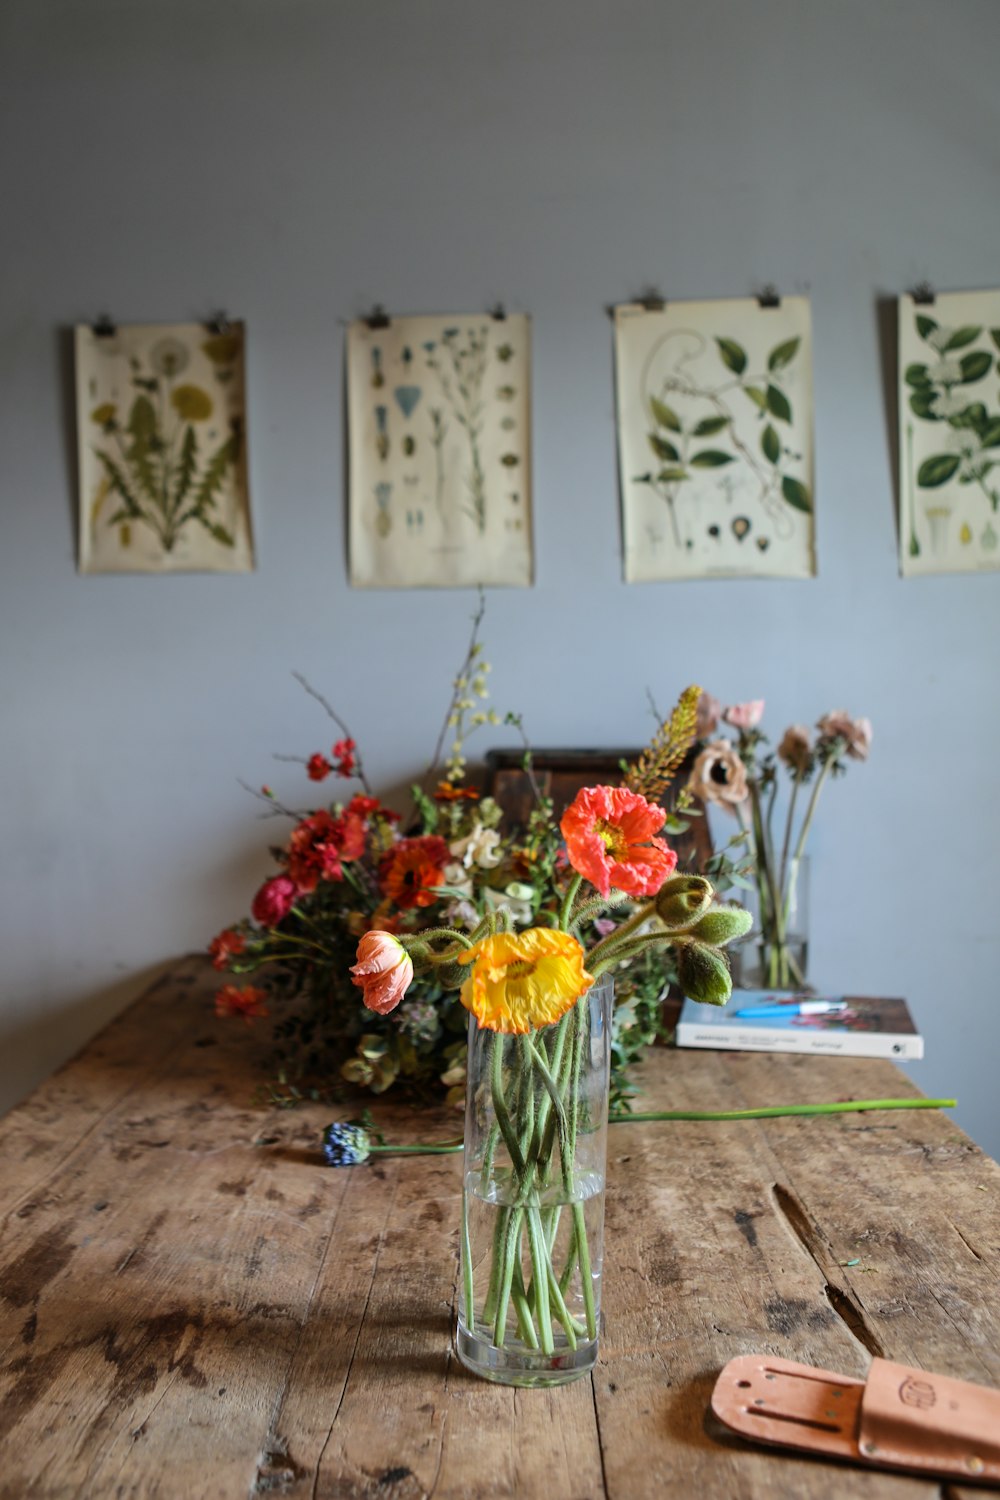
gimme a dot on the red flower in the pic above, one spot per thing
(274, 900)
(318, 767)
(609, 839)
(225, 947)
(365, 805)
(343, 754)
(246, 1002)
(411, 868)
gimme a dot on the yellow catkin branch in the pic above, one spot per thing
(652, 773)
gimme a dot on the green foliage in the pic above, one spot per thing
(734, 356)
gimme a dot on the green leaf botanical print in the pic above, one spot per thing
(961, 337)
(662, 448)
(796, 493)
(937, 470)
(975, 366)
(664, 414)
(711, 458)
(710, 425)
(925, 325)
(770, 444)
(967, 431)
(734, 356)
(777, 404)
(783, 354)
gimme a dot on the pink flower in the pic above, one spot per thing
(745, 715)
(856, 733)
(384, 971)
(274, 900)
(609, 839)
(707, 719)
(796, 748)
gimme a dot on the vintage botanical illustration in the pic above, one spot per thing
(715, 439)
(949, 433)
(440, 451)
(160, 412)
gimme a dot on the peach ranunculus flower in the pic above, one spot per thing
(856, 733)
(384, 971)
(719, 776)
(523, 980)
(609, 840)
(745, 715)
(707, 716)
(796, 748)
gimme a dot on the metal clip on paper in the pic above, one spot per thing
(899, 1418)
(378, 317)
(652, 299)
(103, 328)
(498, 311)
(768, 296)
(218, 323)
(923, 294)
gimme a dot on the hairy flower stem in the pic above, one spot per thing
(609, 945)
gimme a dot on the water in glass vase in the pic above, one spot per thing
(534, 1296)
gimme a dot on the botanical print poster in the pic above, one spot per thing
(715, 442)
(440, 451)
(949, 433)
(160, 424)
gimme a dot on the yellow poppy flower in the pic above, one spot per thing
(191, 403)
(522, 980)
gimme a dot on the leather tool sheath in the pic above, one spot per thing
(899, 1418)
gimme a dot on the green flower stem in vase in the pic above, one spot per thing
(533, 1198)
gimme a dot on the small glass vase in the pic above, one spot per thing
(533, 1202)
(775, 954)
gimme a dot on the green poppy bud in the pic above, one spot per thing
(703, 973)
(683, 899)
(722, 925)
(451, 976)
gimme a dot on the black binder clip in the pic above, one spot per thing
(768, 296)
(498, 311)
(378, 317)
(103, 328)
(923, 294)
(218, 323)
(652, 299)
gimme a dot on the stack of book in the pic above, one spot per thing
(766, 1021)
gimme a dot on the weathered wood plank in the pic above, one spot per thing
(191, 1304)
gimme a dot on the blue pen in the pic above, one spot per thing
(800, 1008)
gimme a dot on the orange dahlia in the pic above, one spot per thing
(609, 833)
(412, 868)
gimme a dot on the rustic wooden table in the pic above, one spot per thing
(191, 1305)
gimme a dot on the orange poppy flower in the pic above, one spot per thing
(609, 840)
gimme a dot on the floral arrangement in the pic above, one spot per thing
(437, 913)
(741, 775)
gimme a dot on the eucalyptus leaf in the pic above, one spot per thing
(770, 444)
(797, 494)
(711, 458)
(664, 415)
(709, 425)
(777, 404)
(937, 470)
(962, 336)
(783, 354)
(734, 356)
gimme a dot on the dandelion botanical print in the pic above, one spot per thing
(715, 439)
(161, 444)
(440, 451)
(949, 433)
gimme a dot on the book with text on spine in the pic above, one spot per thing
(782, 1021)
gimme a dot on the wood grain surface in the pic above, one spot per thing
(192, 1305)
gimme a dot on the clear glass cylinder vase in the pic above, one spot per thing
(775, 954)
(533, 1201)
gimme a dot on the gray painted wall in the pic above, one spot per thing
(294, 162)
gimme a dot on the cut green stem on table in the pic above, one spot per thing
(764, 1112)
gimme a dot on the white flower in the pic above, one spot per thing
(945, 372)
(501, 901)
(947, 404)
(480, 848)
(938, 337)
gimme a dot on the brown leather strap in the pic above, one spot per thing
(901, 1418)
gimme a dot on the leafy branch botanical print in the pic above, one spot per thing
(686, 445)
(462, 386)
(154, 457)
(940, 392)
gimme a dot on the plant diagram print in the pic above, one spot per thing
(715, 443)
(949, 433)
(162, 456)
(439, 418)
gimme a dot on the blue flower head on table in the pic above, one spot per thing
(346, 1145)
